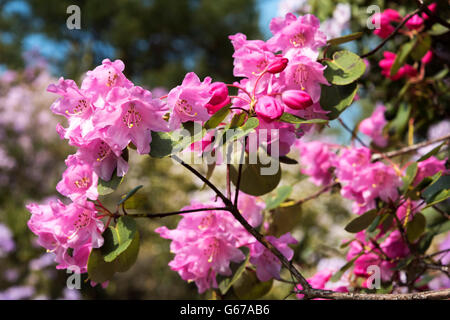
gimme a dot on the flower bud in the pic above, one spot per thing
(278, 65)
(219, 97)
(268, 108)
(427, 57)
(296, 99)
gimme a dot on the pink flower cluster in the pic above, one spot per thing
(386, 28)
(204, 243)
(390, 16)
(281, 75)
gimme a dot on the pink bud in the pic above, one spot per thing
(219, 99)
(427, 57)
(278, 65)
(296, 99)
(416, 22)
(268, 108)
(432, 8)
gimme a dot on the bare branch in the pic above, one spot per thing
(168, 214)
(414, 147)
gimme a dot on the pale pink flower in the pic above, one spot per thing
(374, 125)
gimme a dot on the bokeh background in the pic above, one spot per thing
(159, 41)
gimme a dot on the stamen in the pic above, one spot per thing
(184, 107)
(132, 117)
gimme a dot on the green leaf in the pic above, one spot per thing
(284, 219)
(129, 194)
(345, 68)
(217, 118)
(344, 39)
(438, 190)
(233, 134)
(438, 29)
(248, 287)
(238, 120)
(287, 160)
(411, 172)
(421, 47)
(118, 238)
(98, 270)
(161, 145)
(253, 182)
(128, 258)
(433, 152)
(165, 143)
(362, 222)
(415, 227)
(227, 283)
(107, 187)
(337, 98)
(290, 118)
(398, 125)
(401, 57)
(283, 193)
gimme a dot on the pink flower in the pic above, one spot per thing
(316, 160)
(73, 102)
(102, 79)
(206, 242)
(385, 19)
(415, 23)
(103, 160)
(269, 108)
(79, 181)
(386, 65)
(296, 99)
(251, 57)
(219, 99)
(304, 74)
(60, 228)
(188, 101)
(130, 116)
(301, 34)
(429, 167)
(267, 264)
(374, 125)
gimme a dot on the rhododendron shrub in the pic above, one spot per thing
(288, 90)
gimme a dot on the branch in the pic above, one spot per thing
(167, 214)
(382, 43)
(414, 147)
(206, 181)
(352, 132)
(432, 14)
(261, 239)
(326, 294)
(317, 193)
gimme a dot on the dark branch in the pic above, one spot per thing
(168, 214)
(382, 43)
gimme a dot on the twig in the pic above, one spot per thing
(432, 14)
(167, 214)
(206, 181)
(382, 43)
(316, 194)
(352, 132)
(414, 147)
(427, 295)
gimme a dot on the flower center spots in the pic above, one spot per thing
(261, 65)
(83, 183)
(212, 250)
(298, 40)
(132, 117)
(79, 108)
(301, 75)
(103, 151)
(82, 220)
(206, 222)
(184, 107)
(111, 79)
